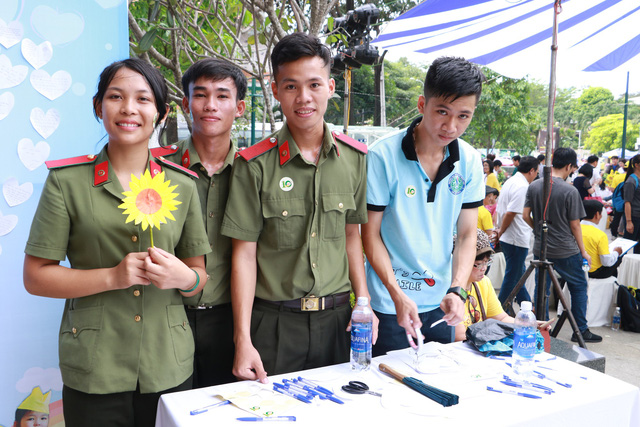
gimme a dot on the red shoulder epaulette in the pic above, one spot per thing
(261, 147)
(164, 151)
(353, 143)
(71, 161)
(177, 166)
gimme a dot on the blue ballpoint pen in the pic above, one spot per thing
(291, 394)
(280, 418)
(541, 375)
(315, 386)
(528, 383)
(206, 408)
(526, 387)
(515, 393)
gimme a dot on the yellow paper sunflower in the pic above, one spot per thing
(150, 201)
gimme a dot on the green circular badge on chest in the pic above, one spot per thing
(410, 191)
(286, 184)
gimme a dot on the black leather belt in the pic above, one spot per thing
(312, 303)
(207, 306)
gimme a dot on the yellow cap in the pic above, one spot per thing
(37, 401)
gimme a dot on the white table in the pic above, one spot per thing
(629, 270)
(601, 294)
(599, 400)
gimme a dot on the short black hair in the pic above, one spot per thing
(497, 163)
(527, 163)
(541, 157)
(613, 157)
(564, 156)
(592, 207)
(490, 163)
(586, 170)
(216, 70)
(298, 45)
(516, 158)
(451, 78)
(149, 72)
(490, 190)
(592, 158)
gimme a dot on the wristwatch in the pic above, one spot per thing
(460, 292)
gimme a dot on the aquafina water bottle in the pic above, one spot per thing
(361, 335)
(524, 341)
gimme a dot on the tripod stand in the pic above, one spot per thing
(544, 268)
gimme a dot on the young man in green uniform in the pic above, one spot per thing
(214, 91)
(293, 212)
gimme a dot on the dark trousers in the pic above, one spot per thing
(615, 223)
(126, 409)
(289, 340)
(603, 272)
(213, 335)
(392, 336)
(635, 235)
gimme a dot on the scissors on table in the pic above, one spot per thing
(358, 387)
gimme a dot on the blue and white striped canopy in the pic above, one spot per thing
(598, 40)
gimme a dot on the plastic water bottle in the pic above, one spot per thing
(615, 321)
(585, 265)
(524, 341)
(361, 335)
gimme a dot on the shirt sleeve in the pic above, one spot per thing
(359, 215)
(629, 190)
(516, 201)
(49, 236)
(243, 215)
(193, 239)
(378, 193)
(575, 208)
(490, 300)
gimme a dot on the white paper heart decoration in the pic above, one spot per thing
(51, 86)
(6, 104)
(10, 33)
(37, 55)
(33, 156)
(45, 124)
(16, 194)
(7, 223)
(11, 76)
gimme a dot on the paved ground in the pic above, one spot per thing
(621, 350)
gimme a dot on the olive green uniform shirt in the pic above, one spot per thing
(297, 213)
(213, 192)
(112, 341)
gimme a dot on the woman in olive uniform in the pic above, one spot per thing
(118, 286)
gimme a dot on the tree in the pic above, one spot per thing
(593, 103)
(606, 134)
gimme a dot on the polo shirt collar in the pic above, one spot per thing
(585, 222)
(288, 149)
(189, 150)
(447, 165)
(105, 176)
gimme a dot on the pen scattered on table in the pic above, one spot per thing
(530, 387)
(305, 390)
(280, 418)
(206, 408)
(515, 393)
(541, 375)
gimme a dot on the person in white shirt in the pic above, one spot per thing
(596, 178)
(515, 234)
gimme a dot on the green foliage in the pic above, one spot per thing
(606, 134)
(593, 103)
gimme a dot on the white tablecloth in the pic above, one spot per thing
(629, 270)
(496, 272)
(598, 400)
(601, 301)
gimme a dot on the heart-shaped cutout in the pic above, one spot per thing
(7, 101)
(7, 223)
(10, 33)
(11, 76)
(37, 55)
(33, 156)
(45, 123)
(15, 193)
(53, 86)
(56, 26)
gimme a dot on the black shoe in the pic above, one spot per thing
(588, 336)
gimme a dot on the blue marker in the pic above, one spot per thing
(281, 418)
(515, 393)
(206, 408)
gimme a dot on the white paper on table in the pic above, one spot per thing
(623, 243)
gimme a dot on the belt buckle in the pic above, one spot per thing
(311, 303)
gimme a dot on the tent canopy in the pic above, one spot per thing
(598, 40)
(617, 152)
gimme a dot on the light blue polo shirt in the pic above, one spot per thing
(419, 216)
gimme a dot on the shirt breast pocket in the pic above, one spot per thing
(335, 207)
(285, 222)
(79, 338)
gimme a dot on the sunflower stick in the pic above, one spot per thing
(151, 234)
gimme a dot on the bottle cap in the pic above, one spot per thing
(525, 305)
(363, 300)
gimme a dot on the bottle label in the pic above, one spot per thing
(524, 344)
(361, 337)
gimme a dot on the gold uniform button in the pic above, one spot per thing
(74, 330)
(134, 238)
(184, 323)
(313, 234)
(285, 213)
(211, 214)
(340, 205)
(91, 156)
(314, 265)
(202, 168)
(136, 293)
(316, 202)
(213, 183)
(137, 318)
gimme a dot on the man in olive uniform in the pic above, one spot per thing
(293, 212)
(214, 91)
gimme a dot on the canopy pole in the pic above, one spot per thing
(624, 125)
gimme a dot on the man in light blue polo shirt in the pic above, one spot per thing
(424, 185)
